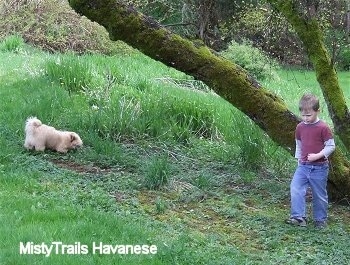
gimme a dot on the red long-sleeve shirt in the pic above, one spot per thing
(313, 138)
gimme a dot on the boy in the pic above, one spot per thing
(314, 144)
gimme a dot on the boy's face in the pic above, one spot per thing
(309, 116)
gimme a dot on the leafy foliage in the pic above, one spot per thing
(252, 59)
(344, 58)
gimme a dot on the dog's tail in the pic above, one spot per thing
(32, 123)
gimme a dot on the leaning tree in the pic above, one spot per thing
(231, 82)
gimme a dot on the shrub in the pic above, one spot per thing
(344, 59)
(258, 64)
(53, 26)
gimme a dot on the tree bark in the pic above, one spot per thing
(228, 80)
(310, 34)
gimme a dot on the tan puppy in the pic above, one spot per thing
(40, 136)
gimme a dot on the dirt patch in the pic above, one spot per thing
(79, 168)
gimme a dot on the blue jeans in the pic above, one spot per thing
(314, 176)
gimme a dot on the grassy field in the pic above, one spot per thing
(165, 162)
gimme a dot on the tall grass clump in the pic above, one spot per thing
(142, 108)
(12, 43)
(157, 173)
(74, 73)
(251, 142)
(125, 102)
(252, 59)
(153, 115)
(186, 114)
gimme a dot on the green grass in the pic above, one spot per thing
(12, 43)
(293, 83)
(164, 162)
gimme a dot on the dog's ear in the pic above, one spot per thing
(72, 137)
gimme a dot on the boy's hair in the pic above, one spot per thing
(309, 101)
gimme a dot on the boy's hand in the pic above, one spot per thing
(314, 157)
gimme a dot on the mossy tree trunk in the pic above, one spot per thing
(228, 80)
(309, 32)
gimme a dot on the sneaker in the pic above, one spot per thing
(297, 221)
(320, 224)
